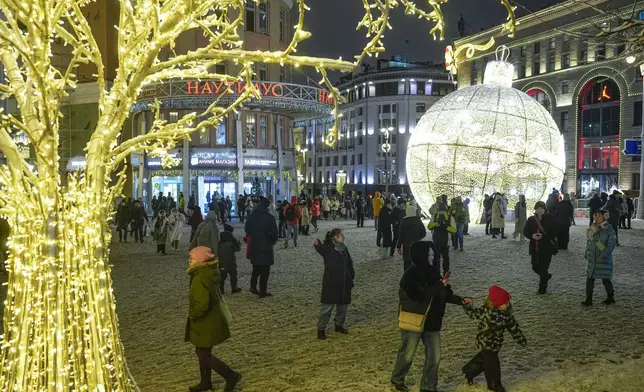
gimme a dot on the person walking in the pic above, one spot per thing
(306, 217)
(175, 225)
(397, 215)
(422, 292)
(613, 206)
(195, 220)
(261, 232)
(139, 220)
(495, 317)
(410, 230)
(123, 219)
(241, 208)
(207, 234)
(601, 242)
(337, 281)
(182, 204)
(460, 215)
(161, 232)
(498, 219)
(488, 202)
(315, 213)
(466, 228)
(384, 237)
(326, 207)
(208, 320)
(378, 203)
(595, 204)
(292, 215)
(334, 205)
(281, 227)
(541, 230)
(564, 215)
(631, 210)
(520, 218)
(360, 210)
(442, 227)
(228, 247)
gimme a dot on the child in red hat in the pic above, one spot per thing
(494, 318)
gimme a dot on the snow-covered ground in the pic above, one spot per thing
(274, 343)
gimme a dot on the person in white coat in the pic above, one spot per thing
(175, 224)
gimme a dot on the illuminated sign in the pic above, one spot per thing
(259, 162)
(233, 88)
(213, 158)
(633, 147)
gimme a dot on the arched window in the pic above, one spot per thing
(541, 97)
(599, 106)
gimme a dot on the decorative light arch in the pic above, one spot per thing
(546, 88)
(624, 90)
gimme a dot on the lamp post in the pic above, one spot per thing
(640, 204)
(386, 147)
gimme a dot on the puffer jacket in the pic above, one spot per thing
(377, 204)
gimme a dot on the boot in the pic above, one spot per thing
(321, 334)
(341, 329)
(587, 302)
(609, 301)
(205, 384)
(232, 381)
(232, 378)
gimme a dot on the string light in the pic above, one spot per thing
(60, 324)
(484, 139)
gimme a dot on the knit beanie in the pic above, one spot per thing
(498, 296)
(201, 254)
(540, 204)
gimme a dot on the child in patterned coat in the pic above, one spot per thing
(494, 318)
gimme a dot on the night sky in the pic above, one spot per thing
(333, 24)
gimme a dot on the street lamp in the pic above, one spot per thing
(386, 147)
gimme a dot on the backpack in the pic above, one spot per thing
(290, 213)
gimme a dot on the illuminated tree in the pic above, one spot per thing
(60, 326)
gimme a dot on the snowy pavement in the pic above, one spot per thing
(274, 343)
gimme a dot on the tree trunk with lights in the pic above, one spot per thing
(60, 328)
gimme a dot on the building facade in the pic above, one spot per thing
(591, 86)
(381, 111)
(254, 145)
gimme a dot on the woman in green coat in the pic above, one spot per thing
(208, 319)
(599, 255)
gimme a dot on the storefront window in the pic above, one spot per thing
(251, 131)
(220, 137)
(597, 183)
(263, 131)
(599, 155)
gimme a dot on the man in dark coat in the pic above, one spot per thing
(631, 210)
(360, 210)
(595, 204)
(397, 215)
(422, 291)
(410, 230)
(614, 208)
(123, 218)
(541, 230)
(564, 216)
(241, 208)
(262, 232)
(139, 219)
(384, 233)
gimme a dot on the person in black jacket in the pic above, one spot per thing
(281, 228)
(337, 281)
(228, 246)
(541, 230)
(423, 291)
(262, 230)
(411, 229)
(384, 235)
(564, 216)
(631, 210)
(139, 219)
(241, 208)
(123, 218)
(397, 215)
(614, 208)
(595, 204)
(360, 210)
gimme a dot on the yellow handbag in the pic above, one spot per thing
(413, 322)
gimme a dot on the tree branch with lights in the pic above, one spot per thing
(60, 325)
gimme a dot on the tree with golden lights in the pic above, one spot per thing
(60, 329)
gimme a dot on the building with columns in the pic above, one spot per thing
(255, 145)
(591, 86)
(382, 108)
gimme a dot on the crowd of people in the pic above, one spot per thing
(424, 290)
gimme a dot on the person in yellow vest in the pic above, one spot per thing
(377, 206)
(442, 226)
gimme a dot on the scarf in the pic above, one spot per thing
(339, 247)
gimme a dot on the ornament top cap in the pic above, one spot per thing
(499, 72)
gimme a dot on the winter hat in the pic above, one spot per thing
(540, 204)
(201, 254)
(498, 296)
(228, 228)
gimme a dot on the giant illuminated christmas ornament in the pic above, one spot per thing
(484, 139)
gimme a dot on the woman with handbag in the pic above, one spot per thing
(423, 296)
(208, 319)
(541, 230)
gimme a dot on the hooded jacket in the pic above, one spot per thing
(421, 286)
(378, 203)
(411, 230)
(262, 229)
(228, 246)
(207, 325)
(398, 213)
(207, 234)
(459, 211)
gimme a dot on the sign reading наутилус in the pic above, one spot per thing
(633, 147)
